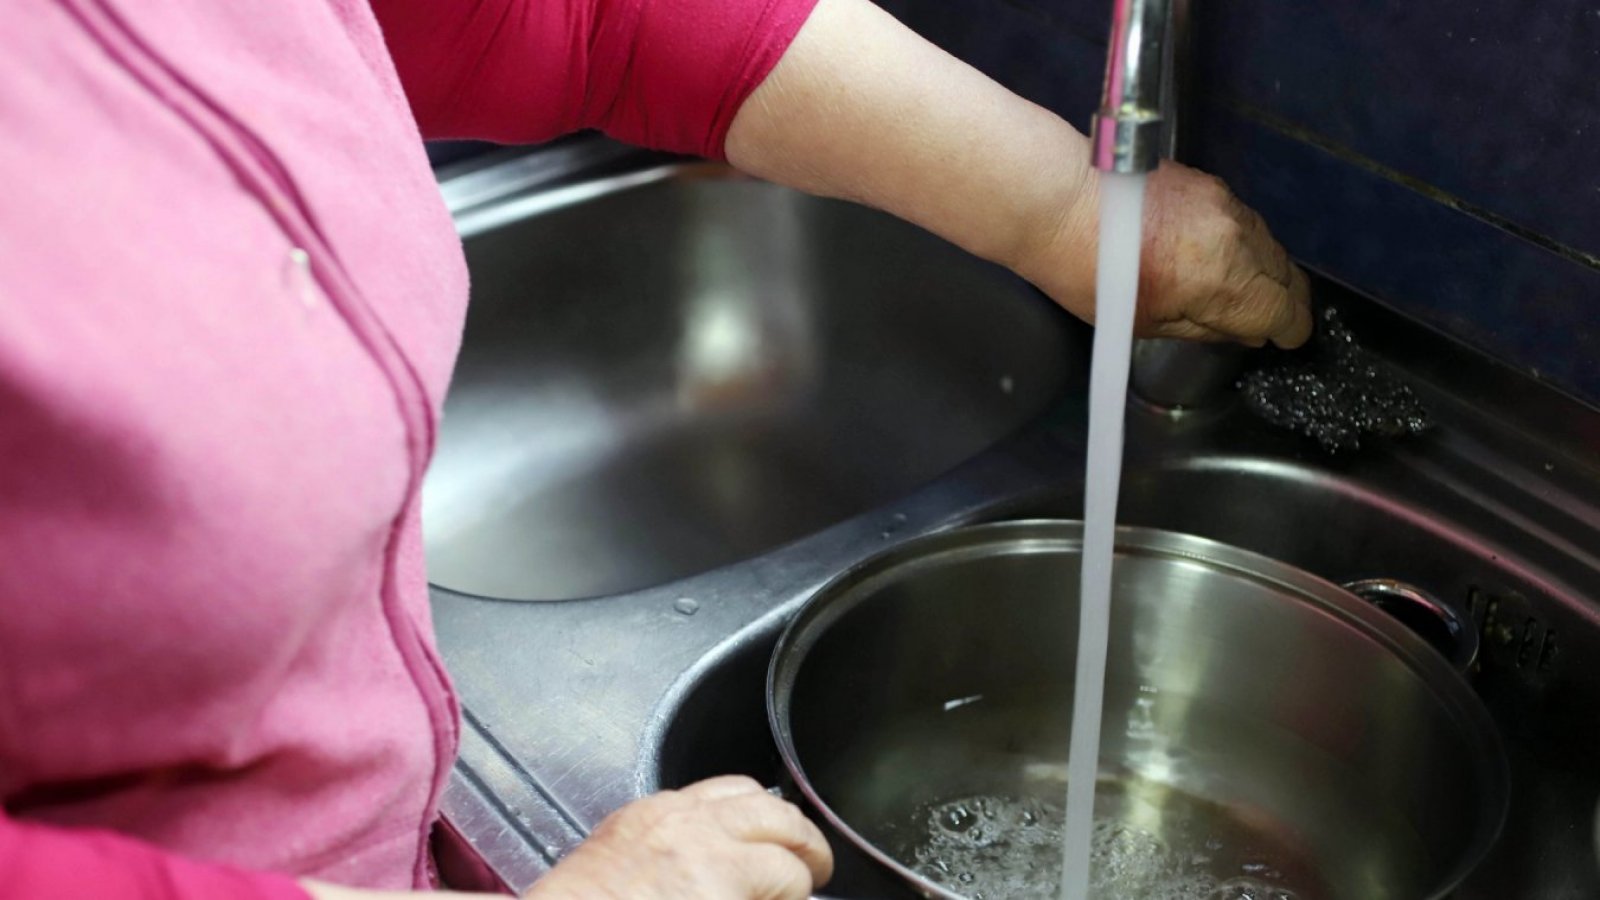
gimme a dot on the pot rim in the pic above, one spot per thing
(861, 581)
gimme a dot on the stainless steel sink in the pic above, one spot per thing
(573, 709)
(688, 368)
(1342, 528)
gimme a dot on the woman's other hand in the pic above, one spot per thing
(721, 839)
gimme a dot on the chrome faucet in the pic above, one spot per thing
(1136, 125)
(1127, 133)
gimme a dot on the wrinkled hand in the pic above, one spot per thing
(1210, 268)
(721, 839)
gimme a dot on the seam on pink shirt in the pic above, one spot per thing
(234, 144)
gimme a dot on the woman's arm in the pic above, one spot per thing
(860, 107)
(848, 103)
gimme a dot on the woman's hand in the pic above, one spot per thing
(1210, 269)
(722, 839)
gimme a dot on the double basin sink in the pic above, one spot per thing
(687, 399)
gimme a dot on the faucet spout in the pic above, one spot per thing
(1134, 128)
(1128, 137)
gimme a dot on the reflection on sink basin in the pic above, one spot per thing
(682, 373)
(1336, 527)
(1354, 534)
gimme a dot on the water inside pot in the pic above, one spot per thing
(971, 799)
(1335, 754)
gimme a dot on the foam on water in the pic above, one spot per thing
(994, 847)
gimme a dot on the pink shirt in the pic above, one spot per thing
(230, 299)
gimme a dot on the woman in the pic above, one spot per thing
(230, 299)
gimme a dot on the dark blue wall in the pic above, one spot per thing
(1442, 156)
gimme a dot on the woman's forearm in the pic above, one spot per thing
(862, 108)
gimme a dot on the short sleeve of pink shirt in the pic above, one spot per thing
(668, 74)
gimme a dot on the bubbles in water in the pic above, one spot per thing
(957, 818)
(1246, 889)
(996, 847)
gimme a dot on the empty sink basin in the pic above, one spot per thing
(688, 368)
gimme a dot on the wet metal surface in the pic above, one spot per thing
(1333, 392)
(691, 368)
(575, 708)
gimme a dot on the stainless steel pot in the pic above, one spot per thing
(1265, 730)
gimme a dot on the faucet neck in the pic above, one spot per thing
(1127, 132)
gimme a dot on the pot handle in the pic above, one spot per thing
(784, 790)
(1445, 629)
